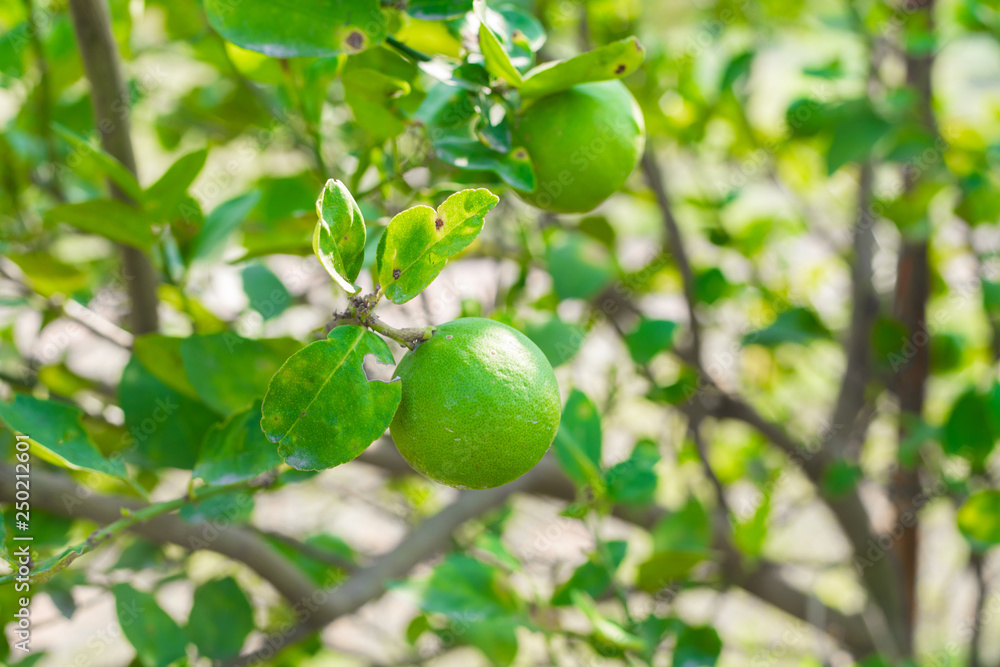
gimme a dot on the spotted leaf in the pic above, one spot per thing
(419, 241)
(612, 61)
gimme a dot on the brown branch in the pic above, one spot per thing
(110, 99)
(764, 581)
(60, 495)
(424, 540)
(654, 177)
(910, 303)
(851, 398)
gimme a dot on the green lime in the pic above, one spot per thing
(480, 405)
(583, 142)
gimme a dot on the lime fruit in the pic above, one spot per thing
(583, 142)
(480, 405)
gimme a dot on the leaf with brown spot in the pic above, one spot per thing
(415, 247)
(612, 61)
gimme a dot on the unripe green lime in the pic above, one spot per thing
(480, 405)
(583, 142)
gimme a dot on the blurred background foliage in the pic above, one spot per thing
(777, 343)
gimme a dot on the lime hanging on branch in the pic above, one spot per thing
(473, 404)
(480, 405)
(583, 143)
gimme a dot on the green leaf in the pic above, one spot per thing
(839, 478)
(979, 518)
(697, 647)
(157, 638)
(102, 161)
(649, 339)
(797, 325)
(559, 341)
(578, 440)
(854, 135)
(438, 10)
(612, 61)
(48, 276)
(496, 59)
(220, 223)
(161, 356)
(110, 218)
(267, 294)
(580, 266)
(477, 599)
(711, 285)
(592, 577)
(321, 408)
(56, 428)
(419, 241)
(163, 196)
(236, 450)
(607, 634)
(339, 237)
(634, 480)
(970, 429)
(286, 29)
(680, 541)
(461, 149)
(165, 428)
(230, 372)
(221, 619)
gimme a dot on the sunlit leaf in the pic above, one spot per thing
(339, 235)
(320, 407)
(419, 241)
(612, 61)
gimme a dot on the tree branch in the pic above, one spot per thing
(673, 237)
(110, 99)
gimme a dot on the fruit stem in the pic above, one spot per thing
(359, 311)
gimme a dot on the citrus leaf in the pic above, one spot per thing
(220, 223)
(339, 236)
(578, 442)
(461, 149)
(979, 518)
(593, 577)
(265, 291)
(419, 241)
(286, 28)
(634, 480)
(612, 61)
(102, 161)
(321, 408)
(157, 638)
(438, 10)
(496, 59)
(163, 196)
(236, 450)
(109, 218)
(230, 372)
(56, 428)
(220, 620)
(165, 427)
(697, 647)
(559, 341)
(650, 338)
(161, 356)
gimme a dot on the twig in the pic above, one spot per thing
(411, 53)
(851, 398)
(316, 142)
(428, 538)
(129, 519)
(108, 93)
(360, 310)
(655, 179)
